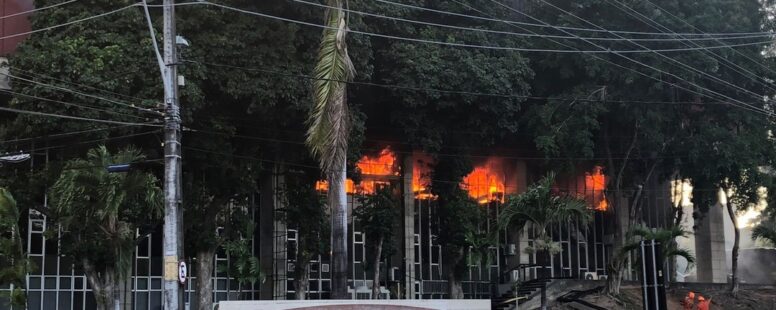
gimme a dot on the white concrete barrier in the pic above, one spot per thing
(432, 304)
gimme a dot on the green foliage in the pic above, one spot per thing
(666, 237)
(243, 265)
(305, 210)
(377, 216)
(765, 230)
(13, 259)
(540, 206)
(100, 212)
(424, 118)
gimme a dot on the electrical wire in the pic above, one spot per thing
(362, 13)
(493, 19)
(444, 91)
(671, 59)
(44, 76)
(738, 102)
(699, 30)
(33, 150)
(37, 9)
(68, 23)
(467, 45)
(618, 157)
(723, 60)
(80, 106)
(562, 44)
(82, 94)
(76, 117)
(64, 134)
(620, 38)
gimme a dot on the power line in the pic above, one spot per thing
(72, 104)
(37, 9)
(696, 28)
(63, 134)
(33, 150)
(740, 103)
(691, 68)
(390, 143)
(723, 61)
(444, 91)
(466, 45)
(603, 49)
(493, 19)
(620, 38)
(68, 23)
(76, 117)
(529, 34)
(83, 94)
(39, 75)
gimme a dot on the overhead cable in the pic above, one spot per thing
(76, 117)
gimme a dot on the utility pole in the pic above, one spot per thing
(173, 215)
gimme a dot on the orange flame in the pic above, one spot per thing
(595, 183)
(486, 183)
(323, 186)
(381, 166)
(421, 177)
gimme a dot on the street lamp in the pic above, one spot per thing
(14, 159)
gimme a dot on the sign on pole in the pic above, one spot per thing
(182, 272)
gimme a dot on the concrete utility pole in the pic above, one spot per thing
(173, 237)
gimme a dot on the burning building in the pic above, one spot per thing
(416, 269)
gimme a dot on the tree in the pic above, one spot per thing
(377, 215)
(307, 212)
(14, 260)
(328, 134)
(666, 237)
(593, 111)
(100, 213)
(541, 207)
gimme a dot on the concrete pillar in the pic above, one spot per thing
(272, 237)
(710, 246)
(408, 223)
(514, 236)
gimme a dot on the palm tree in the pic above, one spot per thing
(667, 239)
(100, 214)
(327, 136)
(542, 207)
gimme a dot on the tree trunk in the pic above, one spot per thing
(302, 278)
(736, 241)
(103, 286)
(614, 278)
(204, 279)
(454, 286)
(339, 232)
(376, 269)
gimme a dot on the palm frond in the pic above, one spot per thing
(328, 132)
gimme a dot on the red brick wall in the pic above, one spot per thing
(13, 25)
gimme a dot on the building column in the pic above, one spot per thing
(272, 236)
(408, 221)
(710, 246)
